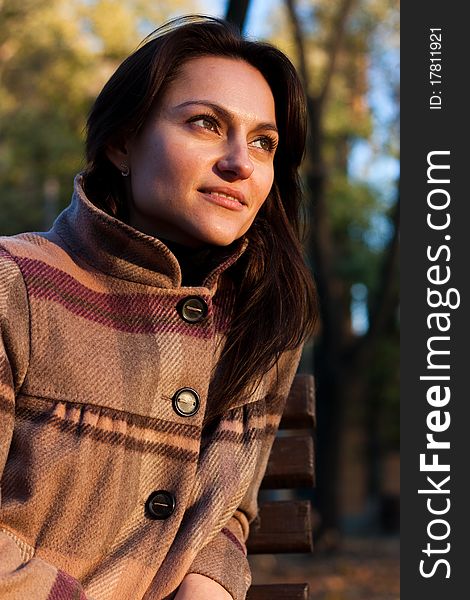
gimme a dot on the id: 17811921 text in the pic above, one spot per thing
(435, 68)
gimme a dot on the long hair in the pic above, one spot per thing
(276, 301)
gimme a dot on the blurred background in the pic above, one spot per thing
(55, 55)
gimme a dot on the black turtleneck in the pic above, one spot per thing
(196, 263)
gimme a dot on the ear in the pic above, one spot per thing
(118, 155)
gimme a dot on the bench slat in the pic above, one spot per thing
(279, 591)
(300, 406)
(285, 526)
(291, 463)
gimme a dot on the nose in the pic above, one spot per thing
(235, 163)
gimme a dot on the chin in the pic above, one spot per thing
(216, 238)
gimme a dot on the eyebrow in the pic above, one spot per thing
(225, 114)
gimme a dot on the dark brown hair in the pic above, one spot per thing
(275, 305)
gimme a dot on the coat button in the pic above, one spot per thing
(186, 402)
(192, 309)
(160, 505)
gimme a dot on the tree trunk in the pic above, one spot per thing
(339, 362)
(236, 12)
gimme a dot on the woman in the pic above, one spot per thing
(149, 339)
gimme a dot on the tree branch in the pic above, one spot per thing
(299, 43)
(334, 46)
(321, 239)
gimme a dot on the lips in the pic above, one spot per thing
(225, 193)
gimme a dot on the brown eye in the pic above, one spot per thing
(265, 143)
(205, 123)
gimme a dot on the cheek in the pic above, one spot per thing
(265, 185)
(161, 157)
(175, 163)
(157, 166)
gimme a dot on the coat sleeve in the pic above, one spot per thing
(224, 559)
(22, 575)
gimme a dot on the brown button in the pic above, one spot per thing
(186, 402)
(160, 505)
(192, 309)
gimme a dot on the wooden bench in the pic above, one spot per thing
(286, 526)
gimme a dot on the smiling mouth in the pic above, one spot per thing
(216, 194)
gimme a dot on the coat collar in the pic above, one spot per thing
(111, 246)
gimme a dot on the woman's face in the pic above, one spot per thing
(202, 165)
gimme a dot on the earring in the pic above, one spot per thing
(125, 170)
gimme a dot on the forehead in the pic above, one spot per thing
(233, 83)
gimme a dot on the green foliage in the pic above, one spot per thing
(55, 55)
(350, 209)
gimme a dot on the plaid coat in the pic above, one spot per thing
(95, 347)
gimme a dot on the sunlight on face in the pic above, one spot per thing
(202, 165)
